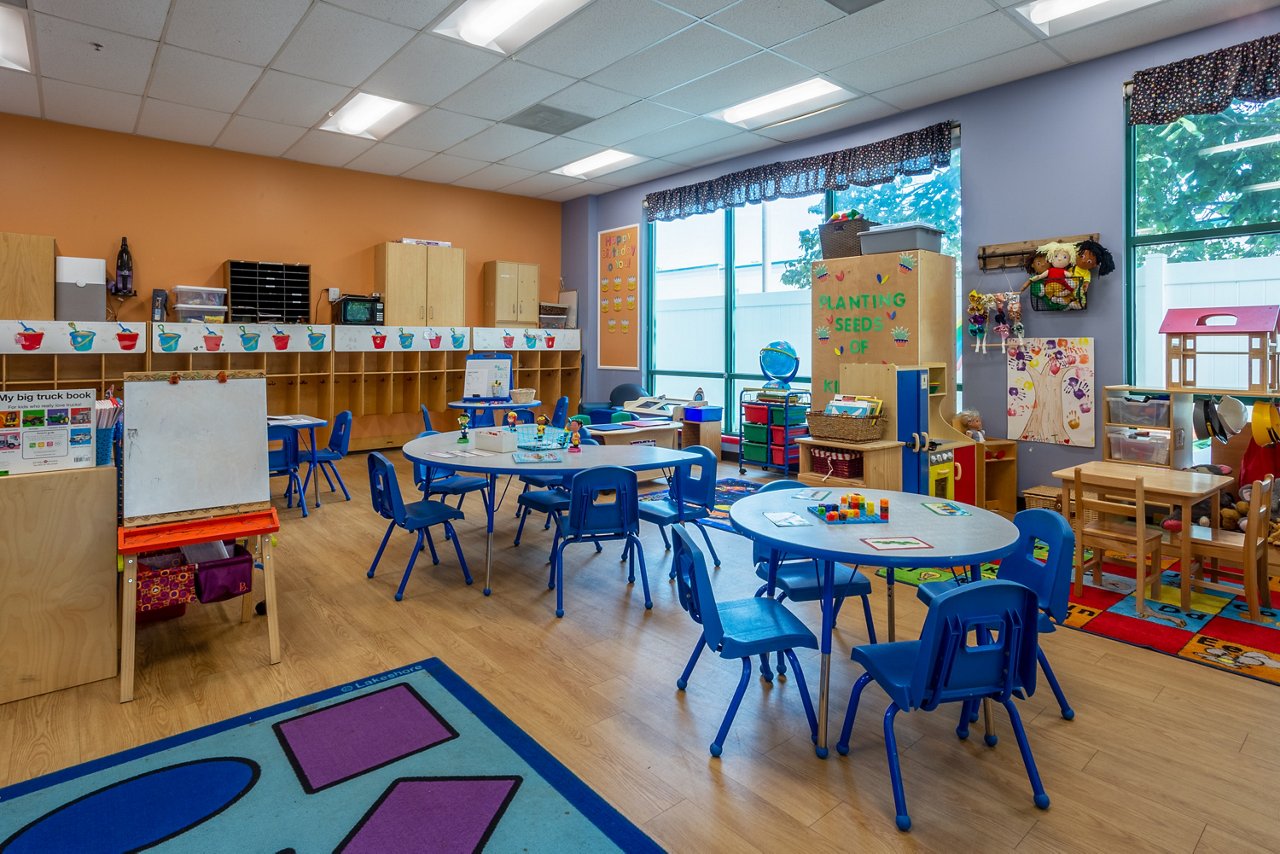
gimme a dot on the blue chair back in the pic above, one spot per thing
(284, 458)
(426, 418)
(699, 489)
(978, 640)
(584, 439)
(422, 473)
(383, 489)
(759, 553)
(560, 415)
(588, 515)
(484, 418)
(524, 416)
(340, 437)
(1049, 579)
(693, 584)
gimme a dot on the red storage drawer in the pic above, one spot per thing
(781, 434)
(779, 460)
(755, 413)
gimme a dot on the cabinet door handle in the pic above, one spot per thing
(959, 471)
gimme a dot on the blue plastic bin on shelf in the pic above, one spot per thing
(704, 413)
(105, 444)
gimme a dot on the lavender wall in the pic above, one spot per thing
(1042, 156)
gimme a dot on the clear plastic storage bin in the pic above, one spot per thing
(192, 295)
(1132, 446)
(1140, 413)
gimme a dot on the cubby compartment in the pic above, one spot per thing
(248, 362)
(347, 394)
(170, 362)
(433, 392)
(313, 363)
(208, 362)
(282, 364)
(74, 367)
(434, 361)
(348, 363)
(404, 362)
(28, 368)
(282, 396)
(404, 393)
(313, 396)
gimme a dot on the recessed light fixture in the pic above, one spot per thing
(609, 160)
(1241, 145)
(13, 39)
(505, 25)
(370, 116)
(1053, 17)
(803, 98)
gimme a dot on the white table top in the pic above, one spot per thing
(492, 404)
(634, 457)
(298, 422)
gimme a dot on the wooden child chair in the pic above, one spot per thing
(1120, 525)
(1245, 553)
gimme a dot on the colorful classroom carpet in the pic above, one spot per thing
(1216, 631)
(409, 760)
(728, 490)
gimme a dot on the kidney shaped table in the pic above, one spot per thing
(947, 541)
(634, 457)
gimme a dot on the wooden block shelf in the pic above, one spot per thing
(881, 463)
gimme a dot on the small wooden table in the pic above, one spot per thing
(1181, 489)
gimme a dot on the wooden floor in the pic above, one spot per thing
(1164, 755)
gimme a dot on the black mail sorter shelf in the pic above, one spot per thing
(265, 292)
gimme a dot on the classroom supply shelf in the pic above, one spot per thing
(770, 421)
(869, 465)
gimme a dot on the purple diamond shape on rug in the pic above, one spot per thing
(437, 814)
(336, 743)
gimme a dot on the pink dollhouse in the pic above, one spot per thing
(1185, 331)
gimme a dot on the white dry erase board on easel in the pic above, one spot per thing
(194, 447)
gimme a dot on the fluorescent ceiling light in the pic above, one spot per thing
(13, 39)
(505, 25)
(803, 98)
(1263, 187)
(369, 116)
(1241, 145)
(609, 160)
(1053, 17)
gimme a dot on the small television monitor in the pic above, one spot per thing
(358, 310)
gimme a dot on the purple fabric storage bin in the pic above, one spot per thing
(219, 580)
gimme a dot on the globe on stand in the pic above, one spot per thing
(779, 362)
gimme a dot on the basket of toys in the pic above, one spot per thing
(839, 235)
(833, 462)
(844, 428)
(523, 395)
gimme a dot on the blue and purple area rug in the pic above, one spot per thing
(409, 760)
(728, 490)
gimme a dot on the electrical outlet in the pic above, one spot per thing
(334, 294)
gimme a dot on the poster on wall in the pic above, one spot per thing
(1050, 392)
(618, 299)
(46, 430)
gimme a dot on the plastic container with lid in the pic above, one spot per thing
(193, 295)
(901, 237)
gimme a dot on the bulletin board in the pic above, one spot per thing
(618, 299)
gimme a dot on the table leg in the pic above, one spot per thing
(889, 573)
(314, 463)
(491, 507)
(269, 591)
(1184, 551)
(828, 626)
(128, 625)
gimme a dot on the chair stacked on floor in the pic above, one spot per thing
(283, 461)
(742, 629)
(697, 498)
(339, 445)
(1245, 552)
(416, 518)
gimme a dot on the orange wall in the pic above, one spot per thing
(187, 209)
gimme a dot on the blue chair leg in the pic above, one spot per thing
(457, 547)
(1037, 787)
(555, 539)
(461, 498)
(855, 696)
(804, 695)
(717, 746)
(559, 569)
(666, 541)
(381, 546)
(523, 514)
(871, 624)
(895, 770)
(306, 481)
(431, 544)
(338, 477)
(683, 681)
(323, 471)
(408, 570)
(715, 558)
(765, 673)
(1067, 712)
(527, 487)
(629, 554)
(968, 714)
(638, 551)
(302, 496)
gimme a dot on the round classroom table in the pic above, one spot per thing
(494, 406)
(939, 541)
(635, 457)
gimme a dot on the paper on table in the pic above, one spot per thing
(812, 494)
(787, 520)
(443, 454)
(279, 417)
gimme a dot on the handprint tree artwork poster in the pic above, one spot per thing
(1051, 391)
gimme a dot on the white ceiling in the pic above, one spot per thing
(259, 76)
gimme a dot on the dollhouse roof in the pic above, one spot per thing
(1248, 318)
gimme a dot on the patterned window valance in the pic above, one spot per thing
(914, 153)
(1207, 83)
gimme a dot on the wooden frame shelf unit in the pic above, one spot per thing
(881, 463)
(1137, 419)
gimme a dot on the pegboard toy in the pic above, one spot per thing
(852, 509)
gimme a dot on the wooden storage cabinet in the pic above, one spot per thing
(1152, 432)
(421, 285)
(26, 276)
(510, 294)
(987, 475)
(881, 463)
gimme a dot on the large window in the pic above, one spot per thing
(1205, 226)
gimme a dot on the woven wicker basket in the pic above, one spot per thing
(840, 239)
(845, 428)
(1050, 498)
(523, 395)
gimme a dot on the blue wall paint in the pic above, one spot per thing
(1042, 156)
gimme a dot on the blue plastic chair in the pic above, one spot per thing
(1049, 579)
(591, 520)
(560, 415)
(416, 518)
(482, 418)
(741, 629)
(282, 461)
(339, 445)
(424, 477)
(426, 418)
(697, 498)
(946, 665)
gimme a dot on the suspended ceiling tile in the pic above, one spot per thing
(504, 90)
(327, 148)
(1150, 24)
(721, 149)
(650, 170)
(582, 188)
(771, 22)
(700, 8)
(493, 177)
(600, 34)
(144, 18)
(628, 123)
(444, 169)
(244, 30)
(430, 69)
(199, 80)
(18, 93)
(414, 14)
(755, 76)
(680, 137)
(338, 46)
(878, 28)
(971, 41)
(294, 100)
(1024, 62)
(387, 159)
(180, 122)
(588, 99)
(255, 136)
(95, 108)
(552, 154)
(539, 185)
(687, 55)
(65, 51)
(495, 143)
(436, 130)
(841, 116)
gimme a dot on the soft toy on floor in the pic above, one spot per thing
(1201, 511)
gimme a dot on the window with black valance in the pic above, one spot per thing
(1207, 83)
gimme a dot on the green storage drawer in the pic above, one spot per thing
(787, 414)
(755, 433)
(754, 452)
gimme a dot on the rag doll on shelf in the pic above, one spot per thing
(1057, 281)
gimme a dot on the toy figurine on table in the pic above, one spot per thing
(575, 437)
(464, 421)
(542, 421)
(512, 418)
